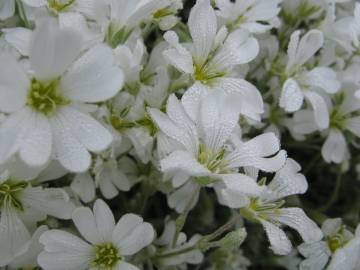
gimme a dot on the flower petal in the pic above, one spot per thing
(104, 218)
(51, 201)
(172, 130)
(322, 77)
(68, 150)
(279, 242)
(250, 100)
(12, 132)
(7, 9)
(144, 10)
(219, 114)
(35, 149)
(309, 44)
(124, 226)
(317, 255)
(346, 257)
(287, 181)
(202, 25)
(119, 179)
(30, 257)
(192, 98)
(93, 77)
(239, 48)
(87, 130)
(63, 250)
(52, 50)
(13, 234)
(35, 3)
(131, 234)
(334, 149)
(181, 198)
(253, 152)
(178, 56)
(353, 124)
(232, 198)
(84, 221)
(241, 183)
(331, 226)
(83, 185)
(139, 237)
(64, 260)
(177, 114)
(107, 188)
(304, 122)
(14, 84)
(296, 218)
(292, 48)
(292, 96)
(181, 161)
(20, 38)
(58, 241)
(122, 265)
(321, 112)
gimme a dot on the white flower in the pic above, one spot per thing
(28, 260)
(347, 257)
(127, 118)
(301, 83)
(212, 56)
(126, 15)
(343, 120)
(131, 61)
(105, 174)
(344, 31)
(340, 248)
(126, 114)
(339, 32)
(254, 16)
(21, 206)
(7, 9)
(267, 209)
(166, 17)
(21, 38)
(44, 120)
(107, 244)
(165, 241)
(196, 139)
(92, 9)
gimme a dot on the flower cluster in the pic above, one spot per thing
(171, 134)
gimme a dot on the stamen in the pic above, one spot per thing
(9, 193)
(106, 256)
(45, 97)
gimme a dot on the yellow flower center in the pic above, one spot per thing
(45, 97)
(60, 5)
(106, 256)
(9, 193)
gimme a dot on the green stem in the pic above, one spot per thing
(22, 13)
(180, 221)
(312, 163)
(227, 226)
(317, 216)
(177, 252)
(205, 240)
(147, 30)
(180, 83)
(149, 264)
(334, 195)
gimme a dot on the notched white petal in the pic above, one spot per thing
(279, 242)
(296, 218)
(291, 97)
